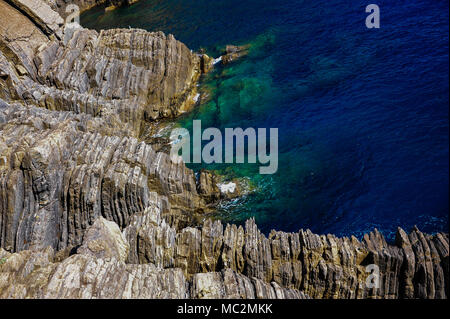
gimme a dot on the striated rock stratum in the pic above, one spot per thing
(88, 208)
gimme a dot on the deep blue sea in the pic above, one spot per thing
(362, 113)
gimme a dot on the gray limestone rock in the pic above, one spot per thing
(88, 209)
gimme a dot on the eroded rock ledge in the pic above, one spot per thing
(61, 6)
(89, 209)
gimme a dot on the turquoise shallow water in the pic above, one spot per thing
(362, 114)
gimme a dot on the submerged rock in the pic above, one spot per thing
(207, 63)
(37, 274)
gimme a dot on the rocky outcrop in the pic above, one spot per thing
(235, 262)
(62, 6)
(71, 113)
(30, 274)
(234, 52)
(49, 21)
(104, 240)
(59, 171)
(319, 266)
(229, 284)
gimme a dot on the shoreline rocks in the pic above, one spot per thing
(61, 6)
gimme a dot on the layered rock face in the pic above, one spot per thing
(319, 266)
(89, 209)
(151, 259)
(60, 171)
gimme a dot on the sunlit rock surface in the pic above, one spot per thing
(89, 209)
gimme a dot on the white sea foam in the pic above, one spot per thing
(227, 188)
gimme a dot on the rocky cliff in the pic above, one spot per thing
(64, 9)
(89, 209)
(126, 76)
